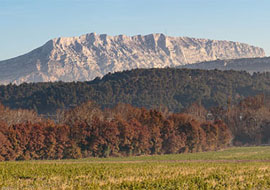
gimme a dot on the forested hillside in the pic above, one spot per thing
(175, 89)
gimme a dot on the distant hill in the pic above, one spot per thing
(85, 57)
(250, 65)
(151, 88)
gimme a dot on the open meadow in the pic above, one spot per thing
(234, 168)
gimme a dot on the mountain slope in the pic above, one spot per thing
(250, 65)
(91, 55)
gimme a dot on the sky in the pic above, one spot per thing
(28, 24)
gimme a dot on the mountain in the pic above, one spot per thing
(91, 55)
(250, 65)
(173, 88)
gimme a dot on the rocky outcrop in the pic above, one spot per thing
(91, 55)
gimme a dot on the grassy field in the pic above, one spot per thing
(235, 168)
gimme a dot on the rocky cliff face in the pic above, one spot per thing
(91, 55)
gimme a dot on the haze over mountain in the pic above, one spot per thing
(92, 55)
(250, 65)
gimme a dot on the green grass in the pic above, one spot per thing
(231, 154)
(235, 168)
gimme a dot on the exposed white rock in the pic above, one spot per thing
(91, 55)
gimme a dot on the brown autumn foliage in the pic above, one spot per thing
(248, 121)
(11, 117)
(87, 131)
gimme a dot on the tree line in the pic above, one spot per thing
(88, 131)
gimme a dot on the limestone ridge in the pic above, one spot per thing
(91, 55)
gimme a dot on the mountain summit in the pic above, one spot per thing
(92, 55)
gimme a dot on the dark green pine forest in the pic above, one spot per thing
(174, 89)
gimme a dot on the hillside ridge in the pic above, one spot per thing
(250, 65)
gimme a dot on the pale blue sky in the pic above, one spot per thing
(28, 24)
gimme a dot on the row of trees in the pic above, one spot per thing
(87, 130)
(124, 130)
(248, 120)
